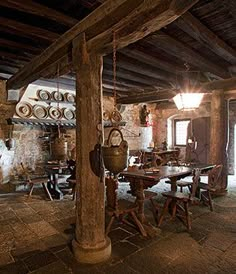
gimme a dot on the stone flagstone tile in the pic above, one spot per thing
(118, 234)
(42, 229)
(56, 267)
(77, 268)
(5, 258)
(14, 268)
(40, 259)
(25, 250)
(29, 219)
(24, 212)
(55, 242)
(17, 206)
(5, 228)
(7, 242)
(120, 268)
(220, 240)
(122, 249)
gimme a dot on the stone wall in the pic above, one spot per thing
(137, 136)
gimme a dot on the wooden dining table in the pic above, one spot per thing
(141, 179)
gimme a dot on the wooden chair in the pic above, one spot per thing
(120, 209)
(72, 179)
(207, 189)
(179, 202)
(35, 181)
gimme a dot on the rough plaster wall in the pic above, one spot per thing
(6, 111)
(137, 136)
(231, 146)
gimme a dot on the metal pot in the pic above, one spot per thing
(115, 157)
(10, 143)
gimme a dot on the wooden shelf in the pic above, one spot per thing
(53, 101)
(41, 122)
(50, 122)
(109, 124)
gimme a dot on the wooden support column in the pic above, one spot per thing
(90, 244)
(218, 135)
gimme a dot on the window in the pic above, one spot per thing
(180, 132)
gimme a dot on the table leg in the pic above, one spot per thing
(57, 191)
(173, 184)
(53, 186)
(140, 200)
(111, 192)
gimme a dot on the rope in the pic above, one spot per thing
(114, 67)
(58, 96)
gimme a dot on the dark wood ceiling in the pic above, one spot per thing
(203, 40)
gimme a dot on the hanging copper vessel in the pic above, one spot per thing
(115, 157)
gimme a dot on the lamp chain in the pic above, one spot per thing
(114, 67)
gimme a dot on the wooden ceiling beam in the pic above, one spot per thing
(226, 84)
(149, 59)
(17, 45)
(197, 30)
(144, 19)
(118, 88)
(124, 81)
(28, 30)
(14, 56)
(129, 17)
(110, 83)
(185, 53)
(137, 77)
(10, 63)
(133, 65)
(118, 92)
(39, 10)
(147, 97)
(7, 69)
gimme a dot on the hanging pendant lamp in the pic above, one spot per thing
(189, 97)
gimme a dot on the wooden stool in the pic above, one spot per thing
(120, 209)
(176, 199)
(32, 182)
(123, 209)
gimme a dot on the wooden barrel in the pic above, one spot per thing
(59, 149)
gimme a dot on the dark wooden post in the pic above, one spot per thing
(219, 136)
(90, 244)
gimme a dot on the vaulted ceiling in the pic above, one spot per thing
(202, 41)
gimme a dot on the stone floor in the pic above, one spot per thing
(35, 237)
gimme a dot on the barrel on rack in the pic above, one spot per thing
(59, 149)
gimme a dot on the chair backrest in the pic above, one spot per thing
(196, 180)
(214, 175)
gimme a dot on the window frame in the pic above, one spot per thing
(175, 133)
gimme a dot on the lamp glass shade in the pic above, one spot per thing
(188, 101)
